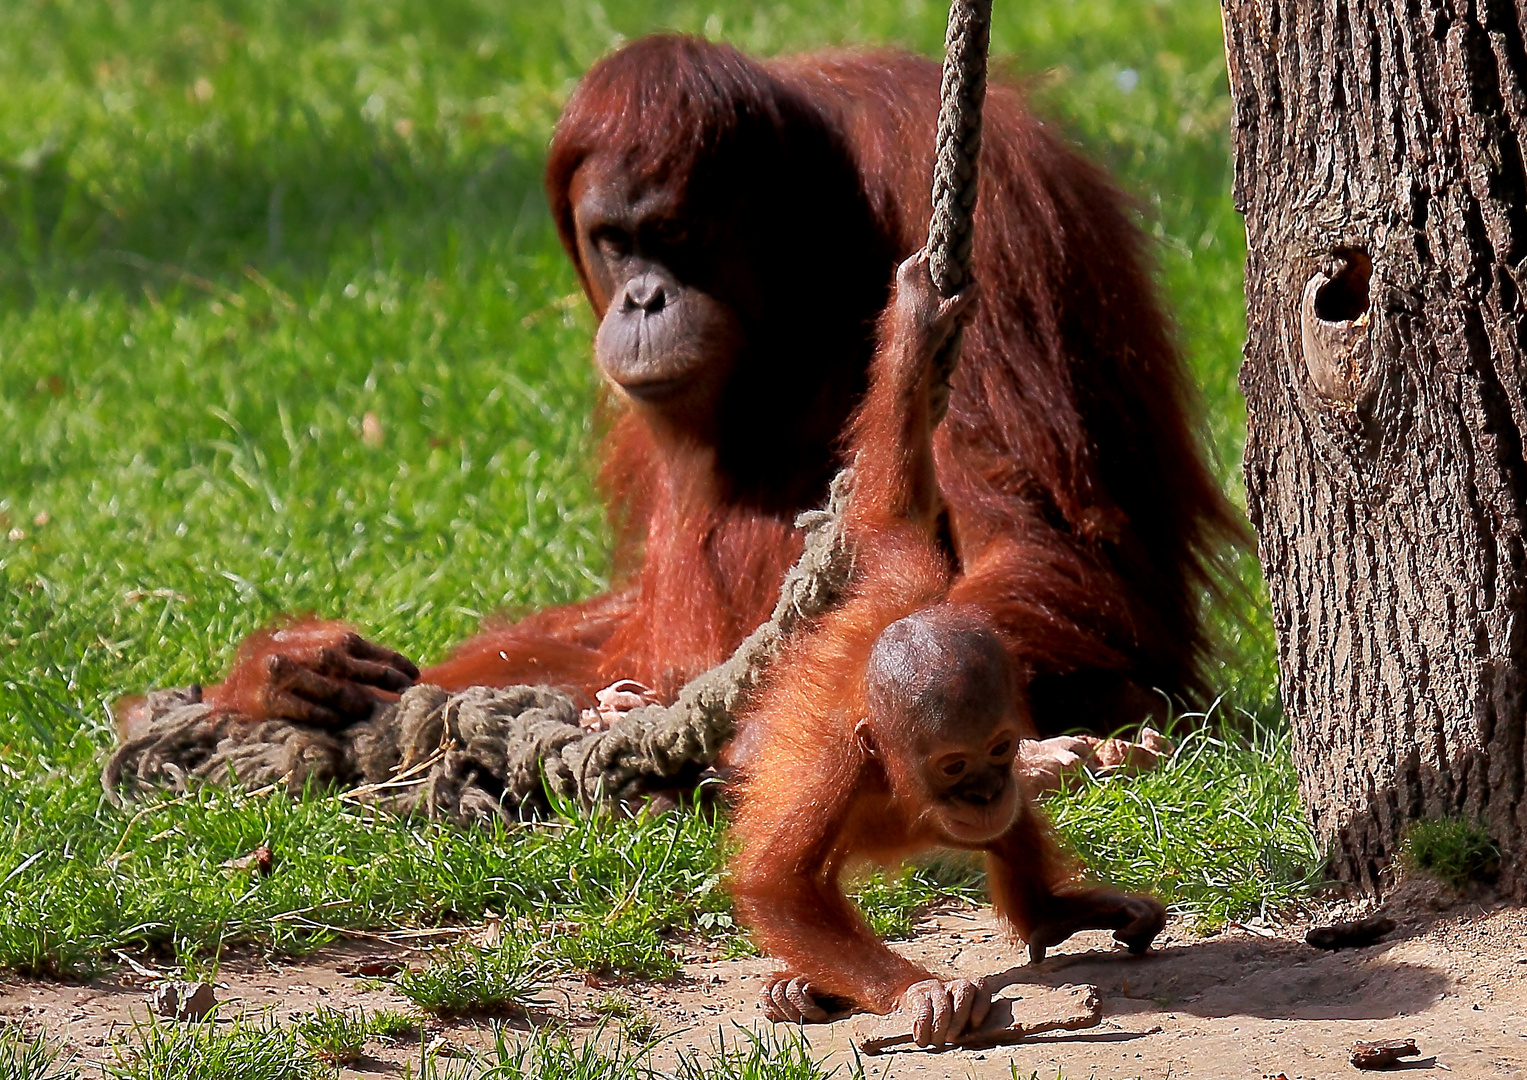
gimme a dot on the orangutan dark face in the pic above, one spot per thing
(669, 287)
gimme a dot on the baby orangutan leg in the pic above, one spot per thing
(1134, 920)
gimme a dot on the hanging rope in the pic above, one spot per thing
(952, 230)
(488, 752)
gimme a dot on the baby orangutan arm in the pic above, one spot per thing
(788, 894)
(815, 790)
(895, 481)
(802, 918)
(1035, 890)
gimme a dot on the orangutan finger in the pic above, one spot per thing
(338, 694)
(915, 271)
(342, 665)
(980, 1007)
(382, 676)
(359, 647)
(919, 1004)
(798, 993)
(961, 306)
(778, 1006)
(964, 996)
(922, 1022)
(943, 1013)
(291, 707)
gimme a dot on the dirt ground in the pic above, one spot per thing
(1249, 1002)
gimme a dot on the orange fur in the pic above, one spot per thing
(1085, 517)
(812, 799)
(1084, 521)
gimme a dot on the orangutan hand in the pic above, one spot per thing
(314, 673)
(941, 1011)
(1050, 764)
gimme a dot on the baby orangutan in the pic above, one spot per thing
(892, 726)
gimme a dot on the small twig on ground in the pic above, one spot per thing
(140, 968)
(272, 290)
(409, 777)
(116, 852)
(389, 937)
(138, 262)
(270, 789)
(562, 303)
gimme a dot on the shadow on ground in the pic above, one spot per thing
(1246, 975)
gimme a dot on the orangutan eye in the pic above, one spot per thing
(954, 768)
(1001, 749)
(669, 234)
(611, 240)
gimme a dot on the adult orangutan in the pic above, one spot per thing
(736, 224)
(891, 726)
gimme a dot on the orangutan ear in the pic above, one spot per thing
(865, 736)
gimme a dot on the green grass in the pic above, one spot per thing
(260, 1049)
(393, 1026)
(104, 881)
(745, 1055)
(1455, 851)
(334, 1036)
(739, 1054)
(469, 981)
(635, 1022)
(246, 1049)
(229, 232)
(24, 1057)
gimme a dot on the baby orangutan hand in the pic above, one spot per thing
(943, 1011)
(920, 317)
(922, 321)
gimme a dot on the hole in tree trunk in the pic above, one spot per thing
(1345, 297)
(1334, 325)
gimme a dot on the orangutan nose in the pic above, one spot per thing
(646, 292)
(983, 789)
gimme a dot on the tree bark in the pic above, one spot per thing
(1379, 165)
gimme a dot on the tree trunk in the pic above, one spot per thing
(1379, 165)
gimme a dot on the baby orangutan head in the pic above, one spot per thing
(944, 721)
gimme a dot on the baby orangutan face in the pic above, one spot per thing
(945, 720)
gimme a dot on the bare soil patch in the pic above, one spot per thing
(1249, 1002)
